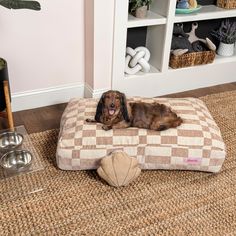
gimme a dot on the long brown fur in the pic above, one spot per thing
(113, 111)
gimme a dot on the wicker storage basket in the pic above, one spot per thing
(191, 59)
(228, 4)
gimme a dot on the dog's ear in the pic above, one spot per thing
(100, 107)
(124, 107)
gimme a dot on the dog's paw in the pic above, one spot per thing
(106, 127)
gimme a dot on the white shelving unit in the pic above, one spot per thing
(162, 79)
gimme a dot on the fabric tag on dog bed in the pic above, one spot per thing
(194, 145)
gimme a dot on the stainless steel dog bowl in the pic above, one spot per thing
(16, 160)
(10, 140)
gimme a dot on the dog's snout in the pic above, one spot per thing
(112, 105)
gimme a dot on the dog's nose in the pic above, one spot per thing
(112, 105)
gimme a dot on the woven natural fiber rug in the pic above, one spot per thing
(55, 202)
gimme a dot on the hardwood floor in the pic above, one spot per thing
(45, 118)
(37, 120)
(205, 91)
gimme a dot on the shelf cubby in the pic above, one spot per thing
(151, 37)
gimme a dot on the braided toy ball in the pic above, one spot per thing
(137, 60)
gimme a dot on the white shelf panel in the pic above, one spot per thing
(195, 67)
(151, 19)
(220, 59)
(206, 13)
(142, 74)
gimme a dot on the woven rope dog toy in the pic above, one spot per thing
(137, 60)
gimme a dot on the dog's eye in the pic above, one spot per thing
(108, 96)
(117, 97)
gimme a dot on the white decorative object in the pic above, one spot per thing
(225, 50)
(137, 60)
(193, 37)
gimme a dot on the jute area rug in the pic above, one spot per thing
(55, 202)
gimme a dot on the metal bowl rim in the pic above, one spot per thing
(15, 151)
(12, 132)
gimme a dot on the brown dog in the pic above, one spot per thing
(114, 112)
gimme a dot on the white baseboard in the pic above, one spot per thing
(45, 97)
(93, 93)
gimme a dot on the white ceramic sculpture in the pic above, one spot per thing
(137, 60)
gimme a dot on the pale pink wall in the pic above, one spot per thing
(43, 48)
(103, 33)
(99, 21)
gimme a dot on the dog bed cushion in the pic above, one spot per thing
(195, 145)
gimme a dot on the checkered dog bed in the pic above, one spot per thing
(194, 145)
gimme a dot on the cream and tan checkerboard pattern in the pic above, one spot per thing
(195, 145)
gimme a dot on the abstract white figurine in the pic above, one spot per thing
(193, 37)
(137, 60)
